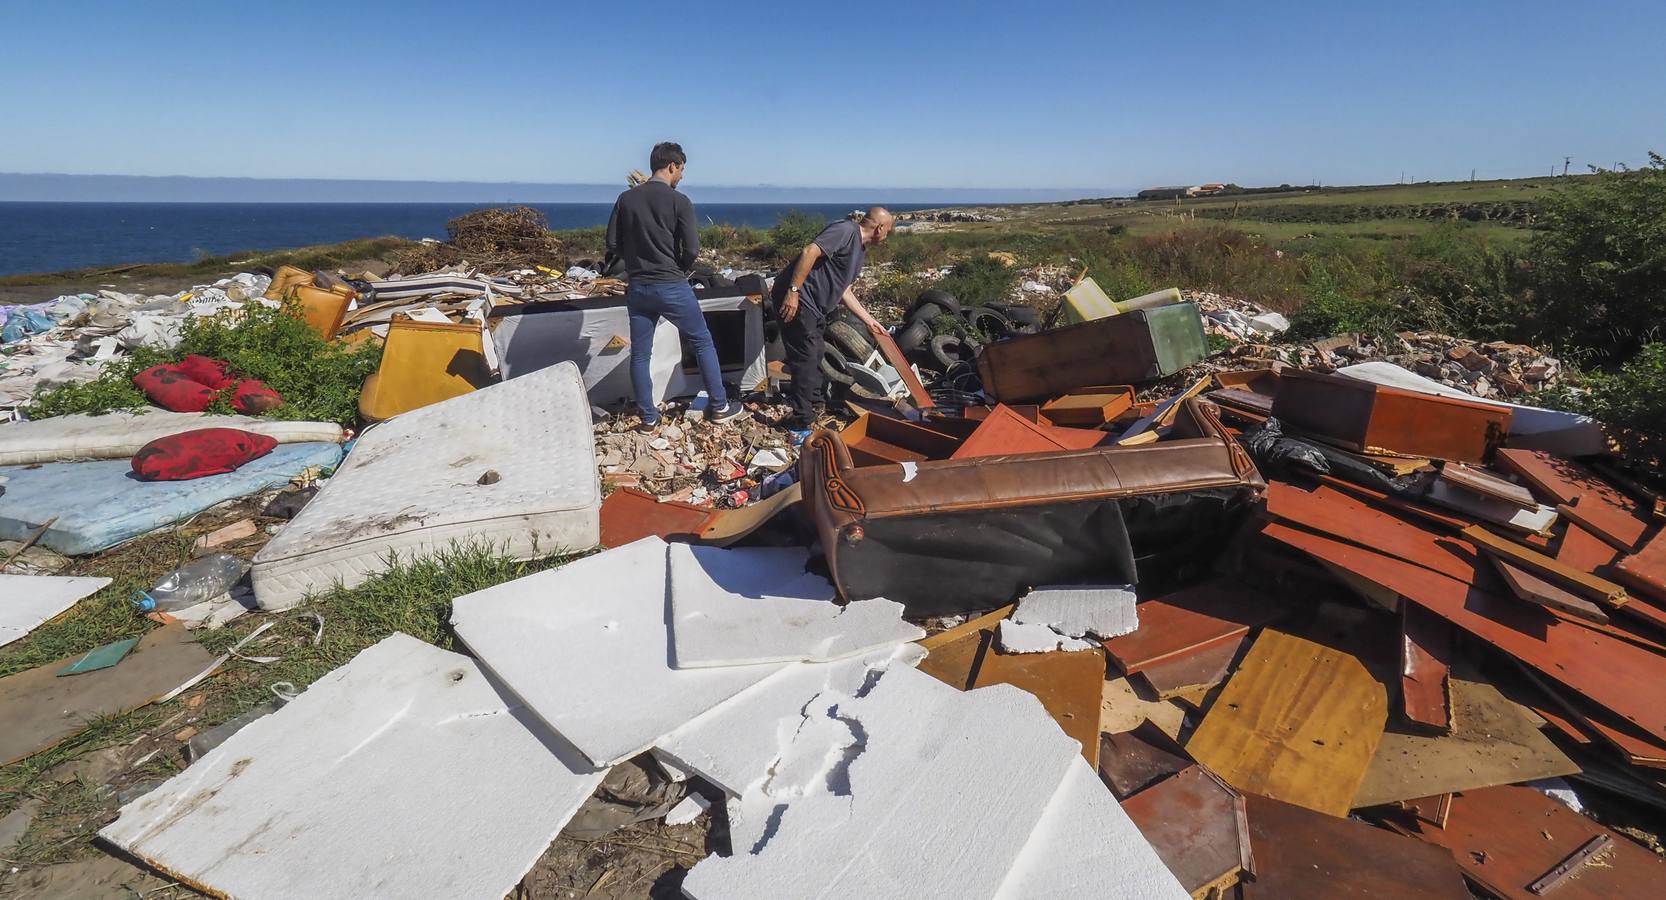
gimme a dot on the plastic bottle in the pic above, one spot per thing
(192, 583)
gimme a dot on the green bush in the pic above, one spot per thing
(792, 232)
(1630, 400)
(1600, 263)
(979, 280)
(319, 380)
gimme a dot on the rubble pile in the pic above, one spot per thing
(1066, 607)
(488, 239)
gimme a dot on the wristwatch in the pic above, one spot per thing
(793, 288)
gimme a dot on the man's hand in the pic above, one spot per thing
(874, 326)
(789, 307)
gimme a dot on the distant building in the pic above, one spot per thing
(1177, 192)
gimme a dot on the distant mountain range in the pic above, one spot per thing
(186, 189)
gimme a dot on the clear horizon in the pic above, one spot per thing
(1061, 96)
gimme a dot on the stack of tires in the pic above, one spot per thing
(939, 336)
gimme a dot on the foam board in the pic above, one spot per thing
(758, 605)
(404, 773)
(908, 788)
(735, 744)
(1036, 638)
(1104, 611)
(28, 600)
(1086, 846)
(586, 646)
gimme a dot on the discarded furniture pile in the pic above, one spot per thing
(1015, 629)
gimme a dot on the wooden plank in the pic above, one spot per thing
(953, 663)
(1530, 587)
(1069, 685)
(1582, 550)
(1298, 722)
(1617, 528)
(1425, 667)
(1492, 742)
(1336, 513)
(1198, 671)
(1090, 407)
(40, 709)
(1486, 484)
(629, 514)
(1123, 709)
(1562, 480)
(895, 359)
(1303, 855)
(727, 526)
(1200, 616)
(1507, 838)
(1583, 583)
(1614, 673)
(1198, 826)
(1646, 569)
(1133, 760)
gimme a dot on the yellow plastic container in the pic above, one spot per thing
(423, 363)
(1086, 301)
(321, 309)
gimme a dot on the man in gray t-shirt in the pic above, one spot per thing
(807, 294)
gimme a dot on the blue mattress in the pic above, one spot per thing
(101, 504)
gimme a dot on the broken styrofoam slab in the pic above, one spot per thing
(909, 788)
(734, 745)
(1104, 611)
(587, 647)
(1034, 638)
(26, 601)
(1086, 846)
(404, 773)
(692, 807)
(758, 605)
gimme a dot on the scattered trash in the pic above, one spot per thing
(196, 582)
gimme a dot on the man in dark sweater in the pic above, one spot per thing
(654, 233)
(808, 293)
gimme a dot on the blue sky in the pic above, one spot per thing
(1092, 96)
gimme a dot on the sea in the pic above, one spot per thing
(52, 237)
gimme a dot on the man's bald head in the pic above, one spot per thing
(876, 224)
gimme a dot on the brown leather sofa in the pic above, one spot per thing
(951, 536)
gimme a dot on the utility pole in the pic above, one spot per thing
(1471, 174)
(1565, 161)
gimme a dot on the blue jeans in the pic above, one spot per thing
(674, 300)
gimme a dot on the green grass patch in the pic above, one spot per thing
(319, 380)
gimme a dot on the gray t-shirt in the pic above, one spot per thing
(840, 263)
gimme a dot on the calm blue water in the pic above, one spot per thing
(51, 237)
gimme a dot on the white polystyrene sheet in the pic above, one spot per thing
(405, 773)
(119, 435)
(908, 788)
(1086, 846)
(1104, 611)
(28, 600)
(736, 743)
(759, 605)
(1531, 427)
(1034, 637)
(587, 647)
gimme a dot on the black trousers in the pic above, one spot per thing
(804, 338)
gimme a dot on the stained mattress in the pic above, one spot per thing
(101, 504)
(119, 435)
(511, 466)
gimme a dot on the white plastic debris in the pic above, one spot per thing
(1103, 611)
(692, 807)
(1016, 638)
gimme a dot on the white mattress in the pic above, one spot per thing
(119, 435)
(411, 487)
